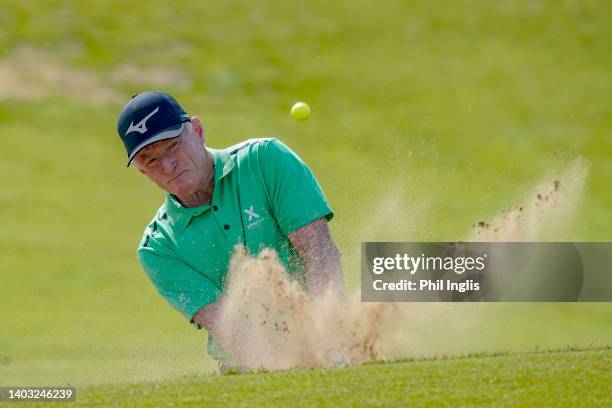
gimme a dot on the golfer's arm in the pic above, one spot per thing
(208, 316)
(321, 257)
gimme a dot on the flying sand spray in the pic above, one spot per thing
(272, 323)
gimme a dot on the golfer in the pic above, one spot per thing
(258, 193)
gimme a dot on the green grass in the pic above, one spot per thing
(554, 378)
(427, 116)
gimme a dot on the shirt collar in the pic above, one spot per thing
(179, 215)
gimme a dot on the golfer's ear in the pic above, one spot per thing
(198, 128)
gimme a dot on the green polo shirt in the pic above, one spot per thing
(263, 191)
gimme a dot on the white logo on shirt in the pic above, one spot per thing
(252, 214)
(254, 218)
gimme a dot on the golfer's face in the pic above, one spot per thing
(176, 165)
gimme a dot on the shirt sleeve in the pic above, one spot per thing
(183, 287)
(296, 196)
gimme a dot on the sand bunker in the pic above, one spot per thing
(29, 74)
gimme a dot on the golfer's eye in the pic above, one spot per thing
(152, 162)
(173, 145)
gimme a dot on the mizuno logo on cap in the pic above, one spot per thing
(141, 127)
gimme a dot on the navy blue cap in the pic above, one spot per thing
(148, 118)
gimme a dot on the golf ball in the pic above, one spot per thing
(300, 111)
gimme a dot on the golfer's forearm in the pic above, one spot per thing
(324, 270)
(209, 316)
(320, 255)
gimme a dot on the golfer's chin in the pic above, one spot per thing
(182, 188)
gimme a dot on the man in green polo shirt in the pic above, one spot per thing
(259, 194)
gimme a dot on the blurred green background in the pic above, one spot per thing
(427, 116)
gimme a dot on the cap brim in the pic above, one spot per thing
(168, 133)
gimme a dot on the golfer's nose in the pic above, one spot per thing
(168, 163)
